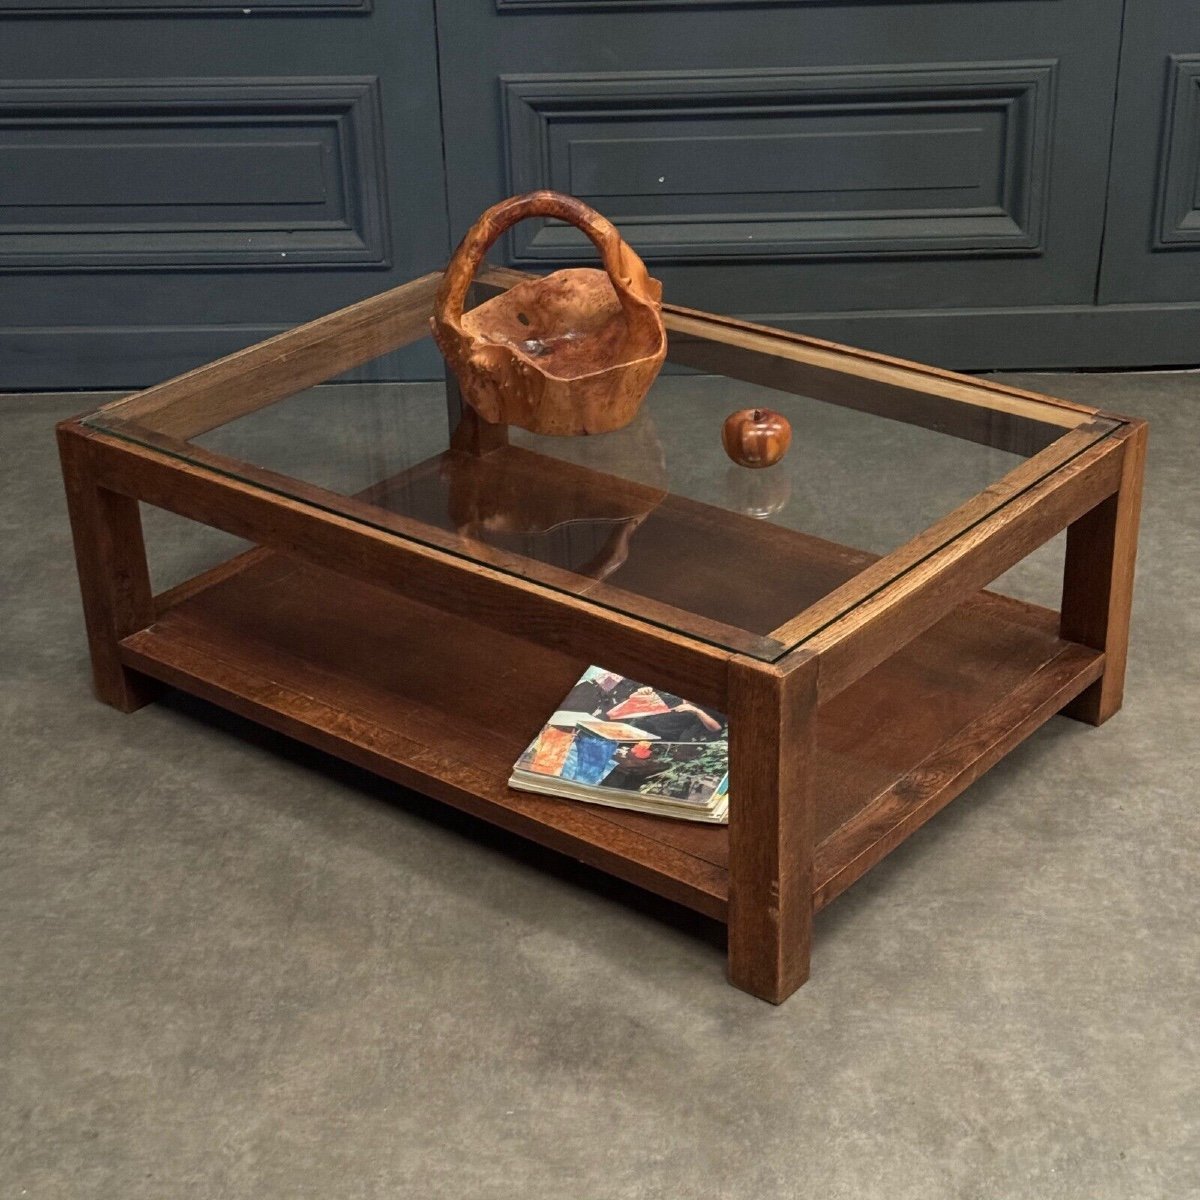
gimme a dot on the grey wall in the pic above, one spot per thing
(978, 183)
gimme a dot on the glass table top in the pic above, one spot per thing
(654, 520)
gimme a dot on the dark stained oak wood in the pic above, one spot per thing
(395, 686)
(675, 573)
(851, 850)
(413, 649)
(418, 696)
(198, 583)
(281, 365)
(772, 752)
(114, 580)
(1098, 580)
(876, 733)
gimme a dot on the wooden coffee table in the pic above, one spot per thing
(423, 591)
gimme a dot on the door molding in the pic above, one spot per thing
(273, 174)
(949, 159)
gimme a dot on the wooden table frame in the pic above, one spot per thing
(778, 873)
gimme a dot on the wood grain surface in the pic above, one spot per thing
(431, 658)
(110, 558)
(1098, 580)
(396, 686)
(772, 761)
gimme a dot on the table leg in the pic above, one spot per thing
(1098, 582)
(772, 728)
(110, 557)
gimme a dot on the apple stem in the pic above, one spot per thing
(758, 414)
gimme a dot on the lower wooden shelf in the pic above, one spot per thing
(444, 706)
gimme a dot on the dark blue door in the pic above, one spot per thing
(181, 177)
(1151, 261)
(926, 178)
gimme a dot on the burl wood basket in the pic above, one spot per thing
(572, 353)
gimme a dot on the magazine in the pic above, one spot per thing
(617, 742)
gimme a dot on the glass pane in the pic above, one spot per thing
(653, 520)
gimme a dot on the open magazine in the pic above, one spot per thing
(617, 742)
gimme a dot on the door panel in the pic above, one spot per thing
(1152, 241)
(800, 164)
(178, 179)
(797, 161)
(181, 184)
(219, 174)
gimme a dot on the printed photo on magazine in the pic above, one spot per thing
(615, 741)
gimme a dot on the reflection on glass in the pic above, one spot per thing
(758, 494)
(581, 517)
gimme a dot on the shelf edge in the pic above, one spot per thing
(571, 829)
(851, 850)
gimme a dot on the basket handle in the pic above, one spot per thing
(638, 293)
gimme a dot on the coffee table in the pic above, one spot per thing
(423, 588)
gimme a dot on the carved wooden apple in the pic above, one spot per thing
(756, 437)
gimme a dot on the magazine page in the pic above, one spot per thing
(614, 738)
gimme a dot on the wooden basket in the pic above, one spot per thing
(572, 353)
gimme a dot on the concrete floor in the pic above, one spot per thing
(230, 967)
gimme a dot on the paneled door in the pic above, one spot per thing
(927, 178)
(182, 177)
(1152, 241)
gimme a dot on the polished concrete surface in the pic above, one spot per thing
(230, 967)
